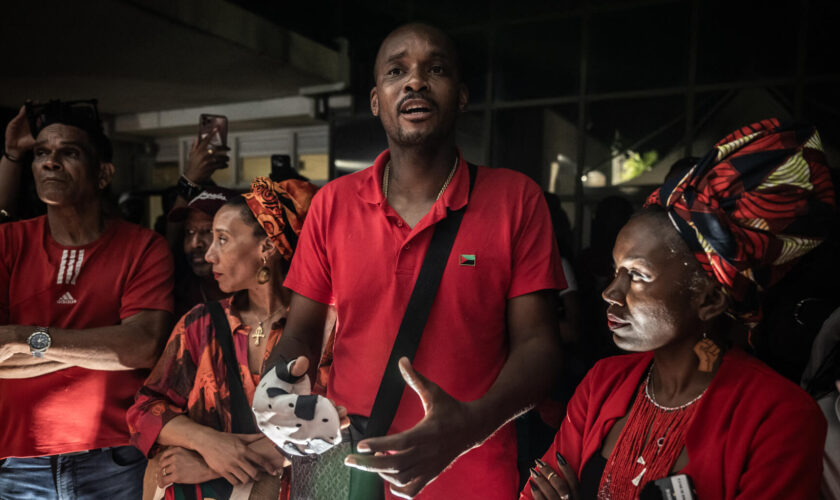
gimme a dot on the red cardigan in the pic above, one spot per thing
(755, 434)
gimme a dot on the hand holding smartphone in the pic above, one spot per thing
(215, 126)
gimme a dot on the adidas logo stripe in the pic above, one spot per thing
(66, 299)
(71, 265)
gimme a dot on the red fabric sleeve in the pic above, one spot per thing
(165, 393)
(149, 284)
(786, 454)
(309, 274)
(536, 261)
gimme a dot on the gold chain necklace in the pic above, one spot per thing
(257, 334)
(386, 176)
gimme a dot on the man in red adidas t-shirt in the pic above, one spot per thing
(85, 301)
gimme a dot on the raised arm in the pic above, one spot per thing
(18, 142)
(134, 343)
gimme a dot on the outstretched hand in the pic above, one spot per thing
(413, 458)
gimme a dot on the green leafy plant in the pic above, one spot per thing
(636, 164)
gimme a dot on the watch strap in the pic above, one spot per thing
(187, 189)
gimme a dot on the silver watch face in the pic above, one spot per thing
(39, 341)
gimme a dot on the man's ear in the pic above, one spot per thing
(463, 97)
(374, 102)
(106, 173)
(715, 302)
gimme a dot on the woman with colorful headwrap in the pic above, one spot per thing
(182, 415)
(685, 401)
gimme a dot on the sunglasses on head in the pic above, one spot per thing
(80, 113)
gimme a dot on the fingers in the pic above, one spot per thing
(260, 461)
(568, 474)
(405, 482)
(410, 490)
(250, 438)
(202, 150)
(394, 468)
(395, 442)
(343, 417)
(420, 384)
(548, 483)
(342, 411)
(300, 366)
(204, 143)
(384, 462)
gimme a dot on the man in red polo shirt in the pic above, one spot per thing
(489, 346)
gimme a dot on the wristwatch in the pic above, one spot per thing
(188, 189)
(39, 341)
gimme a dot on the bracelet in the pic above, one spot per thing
(188, 189)
(10, 157)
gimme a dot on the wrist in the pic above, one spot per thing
(188, 176)
(187, 189)
(201, 436)
(16, 337)
(477, 425)
(13, 156)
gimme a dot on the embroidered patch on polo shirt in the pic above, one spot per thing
(467, 260)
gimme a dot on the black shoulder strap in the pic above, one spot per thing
(414, 321)
(242, 420)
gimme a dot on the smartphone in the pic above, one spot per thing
(677, 487)
(206, 124)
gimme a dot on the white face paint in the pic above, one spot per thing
(295, 420)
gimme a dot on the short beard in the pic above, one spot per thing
(420, 140)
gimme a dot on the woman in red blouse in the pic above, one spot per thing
(685, 401)
(182, 415)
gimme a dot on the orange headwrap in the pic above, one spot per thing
(280, 208)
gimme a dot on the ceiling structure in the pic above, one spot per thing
(150, 55)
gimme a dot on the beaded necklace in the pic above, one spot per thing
(648, 446)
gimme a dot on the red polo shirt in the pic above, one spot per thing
(356, 252)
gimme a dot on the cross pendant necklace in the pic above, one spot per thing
(257, 334)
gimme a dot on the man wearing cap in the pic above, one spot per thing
(191, 224)
(195, 282)
(85, 304)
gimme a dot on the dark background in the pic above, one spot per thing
(588, 80)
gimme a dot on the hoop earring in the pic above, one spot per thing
(708, 352)
(263, 273)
